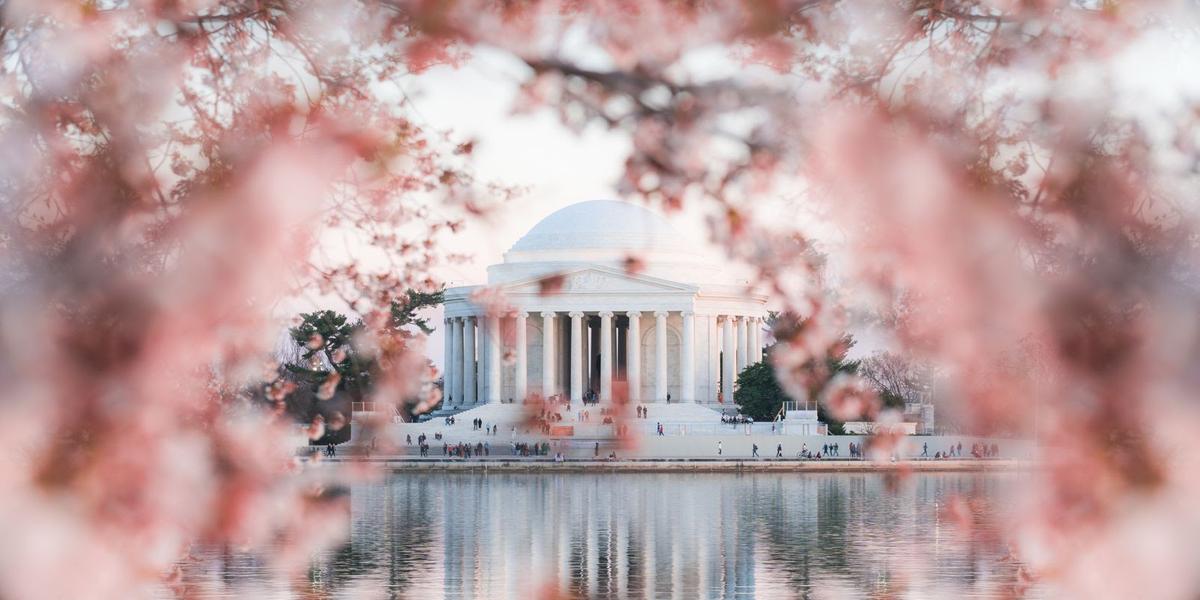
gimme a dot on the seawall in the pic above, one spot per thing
(549, 465)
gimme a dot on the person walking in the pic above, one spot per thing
(718, 447)
(779, 451)
(754, 451)
(925, 450)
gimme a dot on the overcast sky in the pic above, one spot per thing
(557, 167)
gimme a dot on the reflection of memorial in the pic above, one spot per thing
(586, 537)
(650, 536)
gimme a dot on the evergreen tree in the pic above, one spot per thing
(760, 396)
(405, 312)
(327, 338)
(330, 342)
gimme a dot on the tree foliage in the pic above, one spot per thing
(900, 380)
(405, 312)
(761, 396)
(758, 393)
(334, 358)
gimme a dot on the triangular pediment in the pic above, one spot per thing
(596, 280)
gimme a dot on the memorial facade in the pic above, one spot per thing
(601, 299)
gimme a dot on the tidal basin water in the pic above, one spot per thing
(688, 536)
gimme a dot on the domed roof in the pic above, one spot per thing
(600, 225)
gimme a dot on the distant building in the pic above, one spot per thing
(916, 419)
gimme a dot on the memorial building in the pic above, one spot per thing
(601, 300)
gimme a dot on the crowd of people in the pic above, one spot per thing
(545, 419)
(531, 449)
(735, 419)
(978, 450)
(607, 415)
(464, 450)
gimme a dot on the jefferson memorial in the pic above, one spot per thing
(603, 300)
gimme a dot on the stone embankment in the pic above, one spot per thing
(765, 465)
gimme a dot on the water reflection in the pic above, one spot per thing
(650, 536)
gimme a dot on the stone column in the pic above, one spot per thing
(447, 360)
(493, 359)
(741, 343)
(713, 374)
(460, 377)
(606, 356)
(520, 378)
(633, 356)
(762, 339)
(481, 348)
(468, 393)
(456, 361)
(727, 360)
(751, 330)
(548, 355)
(758, 339)
(687, 359)
(592, 354)
(576, 356)
(660, 356)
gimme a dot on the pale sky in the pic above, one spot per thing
(555, 166)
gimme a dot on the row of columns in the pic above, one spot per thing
(742, 346)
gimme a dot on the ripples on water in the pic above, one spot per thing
(641, 536)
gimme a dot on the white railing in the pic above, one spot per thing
(802, 415)
(792, 405)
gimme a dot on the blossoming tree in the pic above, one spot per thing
(171, 169)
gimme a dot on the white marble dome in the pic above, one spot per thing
(600, 225)
(606, 232)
